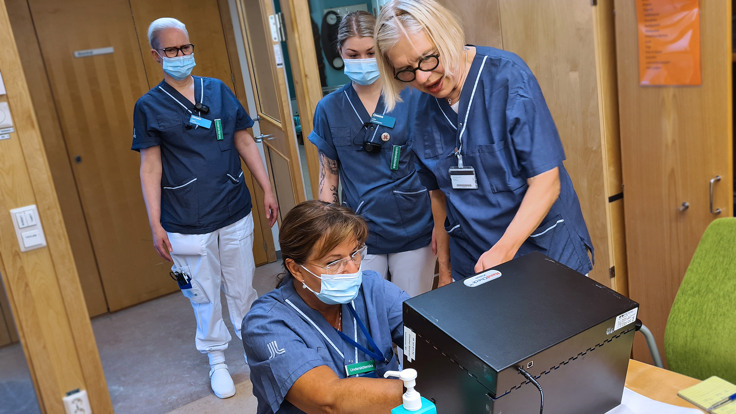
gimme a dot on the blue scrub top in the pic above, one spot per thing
(282, 344)
(202, 184)
(508, 136)
(394, 203)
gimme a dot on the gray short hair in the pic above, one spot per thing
(161, 24)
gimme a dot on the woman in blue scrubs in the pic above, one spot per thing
(323, 339)
(366, 147)
(484, 137)
(191, 133)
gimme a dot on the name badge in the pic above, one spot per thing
(395, 156)
(218, 129)
(360, 368)
(383, 120)
(199, 121)
(463, 178)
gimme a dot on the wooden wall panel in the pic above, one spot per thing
(43, 285)
(481, 20)
(94, 97)
(58, 156)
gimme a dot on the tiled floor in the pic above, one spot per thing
(150, 362)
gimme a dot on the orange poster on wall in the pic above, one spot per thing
(669, 42)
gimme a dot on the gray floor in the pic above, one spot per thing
(150, 362)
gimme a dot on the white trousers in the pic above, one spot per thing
(223, 260)
(412, 271)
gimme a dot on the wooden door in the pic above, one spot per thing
(217, 57)
(674, 141)
(94, 97)
(305, 75)
(268, 77)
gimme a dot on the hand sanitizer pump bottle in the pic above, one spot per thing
(414, 403)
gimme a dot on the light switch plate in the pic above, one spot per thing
(28, 228)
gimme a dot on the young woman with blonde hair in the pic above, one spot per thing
(365, 146)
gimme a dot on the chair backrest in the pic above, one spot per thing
(700, 337)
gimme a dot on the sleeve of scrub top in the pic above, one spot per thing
(321, 135)
(145, 133)
(277, 356)
(394, 297)
(532, 129)
(242, 119)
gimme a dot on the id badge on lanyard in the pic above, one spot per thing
(463, 178)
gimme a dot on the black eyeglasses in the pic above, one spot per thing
(426, 64)
(171, 52)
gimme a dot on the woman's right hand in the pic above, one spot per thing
(161, 242)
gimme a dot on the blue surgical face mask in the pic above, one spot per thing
(179, 67)
(362, 71)
(337, 289)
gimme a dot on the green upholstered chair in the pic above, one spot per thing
(700, 337)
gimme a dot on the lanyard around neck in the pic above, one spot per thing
(201, 96)
(374, 351)
(458, 153)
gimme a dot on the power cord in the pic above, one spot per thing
(536, 384)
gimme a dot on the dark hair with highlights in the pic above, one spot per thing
(315, 228)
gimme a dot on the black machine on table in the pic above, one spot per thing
(477, 344)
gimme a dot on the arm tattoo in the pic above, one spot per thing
(327, 164)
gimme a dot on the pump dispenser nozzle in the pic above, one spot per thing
(412, 399)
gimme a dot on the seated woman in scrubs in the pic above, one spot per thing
(484, 137)
(322, 340)
(367, 148)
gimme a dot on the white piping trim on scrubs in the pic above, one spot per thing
(201, 95)
(316, 327)
(453, 228)
(443, 113)
(183, 185)
(177, 101)
(467, 112)
(351, 104)
(548, 228)
(410, 192)
(359, 206)
(356, 114)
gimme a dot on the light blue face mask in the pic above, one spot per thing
(179, 67)
(362, 71)
(337, 289)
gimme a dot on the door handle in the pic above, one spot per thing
(257, 118)
(713, 181)
(261, 137)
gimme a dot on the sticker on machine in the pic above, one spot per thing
(481, 278)
(410, 343)
(625, 319)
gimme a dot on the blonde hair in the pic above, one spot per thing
(407, 17)
(358, 23)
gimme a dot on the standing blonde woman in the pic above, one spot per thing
(365, 145)
(484, 137)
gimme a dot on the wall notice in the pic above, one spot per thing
(669, 42)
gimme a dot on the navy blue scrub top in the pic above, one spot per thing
(202, 182)
(284, 338)
(394, 203)
(508, 136)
